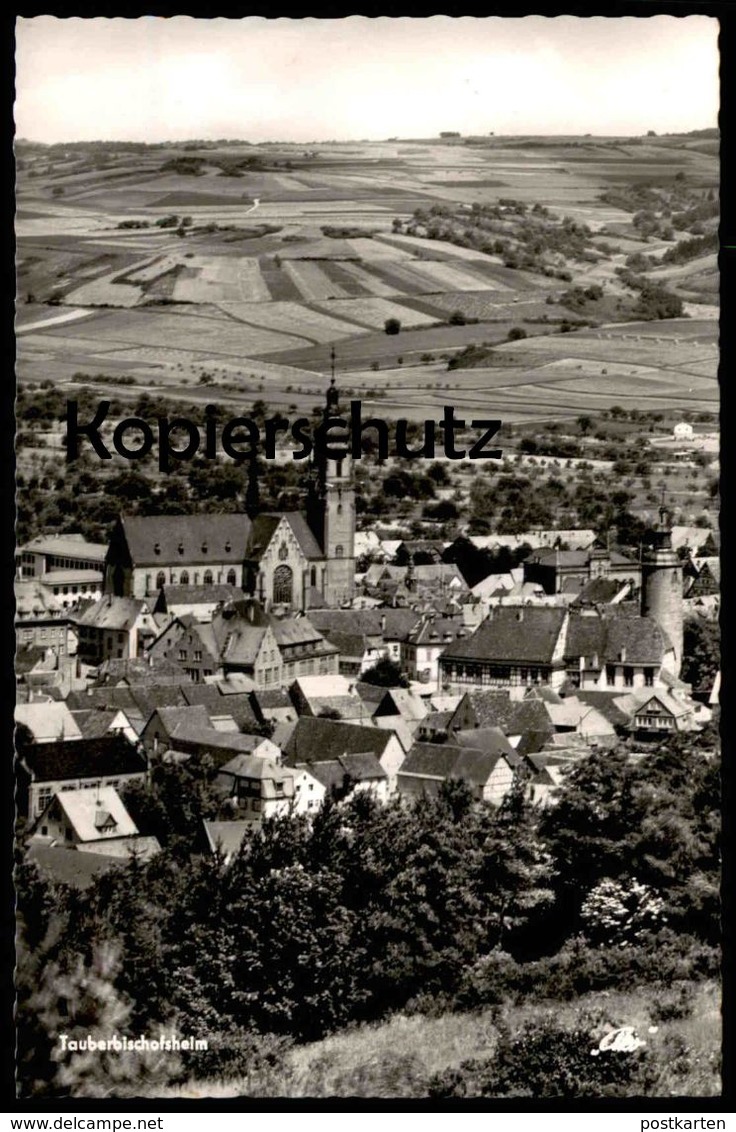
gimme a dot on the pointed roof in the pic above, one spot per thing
(186, 539)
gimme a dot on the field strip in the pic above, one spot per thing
(373, 313)
(41, 324)
(293, 318)
(312, 282)
(371, 283)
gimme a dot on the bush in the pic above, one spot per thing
(457, 318)
(516, 333)
(392, 326)
(549, 1060)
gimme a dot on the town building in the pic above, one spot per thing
(289, 561)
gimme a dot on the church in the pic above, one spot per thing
(290, 560)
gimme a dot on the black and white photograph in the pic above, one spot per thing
(367, 559)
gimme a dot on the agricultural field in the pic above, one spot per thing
(252, 262)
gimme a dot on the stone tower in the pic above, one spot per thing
(331, 513)
(661, 585)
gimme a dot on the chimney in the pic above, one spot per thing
(622, 654)
(595, 660)
(383, 623)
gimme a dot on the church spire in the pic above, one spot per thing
(252, 491)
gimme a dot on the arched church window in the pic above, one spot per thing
(184, 578)
(160, 579)
(231, 578)
(339, 551)
(207, 578)
(283, 585)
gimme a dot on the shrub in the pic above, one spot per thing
(392, 326)
(549, 1060)
(516, 333)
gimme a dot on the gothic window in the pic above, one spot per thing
(231, 578)
(184, 578)
(160, 579)
(339, 551)
(283, 585)
(207, 578)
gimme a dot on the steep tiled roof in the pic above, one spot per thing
(111, 613)
(204, 539)
(237, 705)
(89, 811)
(607, 635)
(513, 717)
(599, 591)
(104, 756)
(299, 631)
(319, 739)
(242, 643)
(491, 740)
(363, 767)
(524, 634)
(391, 624)
(95, 722)
(446, 760)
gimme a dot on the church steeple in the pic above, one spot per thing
(331, 510)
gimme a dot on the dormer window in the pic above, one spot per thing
(180, 548)
(228, 546)
(204, 547)
(157, 548)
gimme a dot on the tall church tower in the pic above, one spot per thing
(331, 512)
(661, 585)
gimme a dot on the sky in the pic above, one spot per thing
(256, 79)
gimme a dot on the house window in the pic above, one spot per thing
(231, 578)
(628, 677)
(44, 797)
(68, 833)
(649, 678)
(184, 578)
(610, 673)
(160, 579)
(197, 654)
(182, 654)
(207, 578)
(339, 551)
(283, 585)
(44, 830)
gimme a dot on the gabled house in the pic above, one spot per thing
(317, 740)
(662, 714)
(426, 643)
(428, 765)
(272, 706)
(254, 789)
(351, 774)
(93, 820)
(221, 747)
(46, 769)
(515, 646)
(48, 722)
(330, 696)
(114, 628)
(189, 643)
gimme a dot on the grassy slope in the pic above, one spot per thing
(396, 1058)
